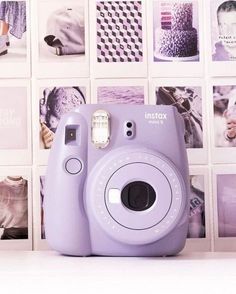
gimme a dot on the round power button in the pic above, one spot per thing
(73, 166)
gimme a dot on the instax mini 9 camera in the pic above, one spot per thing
(117, 182)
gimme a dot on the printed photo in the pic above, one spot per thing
(13, 27)
(188, 101)
(119, 31)
(53, 103)
(42, 184)
(13, 118)
(226, 202)
(197, 228)
(224, 99)
(120, 95)
(39, 238)
(13, 208)
(223, 31)
(175, 31)
(61, 31)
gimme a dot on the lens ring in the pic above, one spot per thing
(129, 133)
(129, 124)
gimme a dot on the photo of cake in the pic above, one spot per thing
(175, 37)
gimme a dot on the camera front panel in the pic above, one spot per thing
(143, 196)
(137, 196)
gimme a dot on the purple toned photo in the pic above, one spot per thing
(226, 201)
(175, 30)
(120, 95)
(12, 29)
(197, 208)
(42, 184)
(224, 100)
(119, 31)
(223, 30)
(13, 208)
(188, 102)
(65, 31)
(55, 102)
(13, 118)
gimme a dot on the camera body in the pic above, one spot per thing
(117, 182)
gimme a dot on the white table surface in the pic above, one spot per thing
(47, 272)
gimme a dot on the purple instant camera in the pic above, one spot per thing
(117, 182)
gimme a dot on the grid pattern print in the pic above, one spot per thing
(119, 31)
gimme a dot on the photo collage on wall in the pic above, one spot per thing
(57, 55)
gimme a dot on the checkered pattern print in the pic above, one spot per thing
(119, 31)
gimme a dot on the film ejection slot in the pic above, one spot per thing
(100, 128)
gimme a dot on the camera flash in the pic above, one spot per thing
(100, 128)
(114, 196)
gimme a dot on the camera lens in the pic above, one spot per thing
(138, 196)
(129, 124)
(129, 133)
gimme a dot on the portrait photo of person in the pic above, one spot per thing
(188, 102)
(13, 27)
(54, 102)
(224, 99)
(223, 30)
(13, 208)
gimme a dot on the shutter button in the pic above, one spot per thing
(73, 166)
